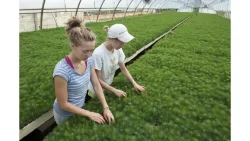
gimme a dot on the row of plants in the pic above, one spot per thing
(41, 50)
(187, 97)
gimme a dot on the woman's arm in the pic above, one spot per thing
(126, 73)
(98, 66)
(62, 97)
(108, 87)
(99, 92)
(98, 89)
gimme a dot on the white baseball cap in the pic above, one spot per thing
(121, 32)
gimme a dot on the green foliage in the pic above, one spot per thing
(41, 50)
(187, 97)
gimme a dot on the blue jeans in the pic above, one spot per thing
(58, 118)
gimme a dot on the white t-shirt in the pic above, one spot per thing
(107, 63)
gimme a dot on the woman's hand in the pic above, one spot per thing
(120, 93)
(96, 117)
(139, 88)
(108, 115)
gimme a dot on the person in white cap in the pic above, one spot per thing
(108, 56)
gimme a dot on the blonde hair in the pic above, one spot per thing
(77, 32)
(106, 28)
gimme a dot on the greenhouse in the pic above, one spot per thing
(180, 54)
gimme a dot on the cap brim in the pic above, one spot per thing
(126, 38)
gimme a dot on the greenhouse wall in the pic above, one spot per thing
(31, 21)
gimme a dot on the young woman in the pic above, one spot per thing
(108, 56)
(73, 73)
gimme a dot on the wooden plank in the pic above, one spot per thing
(47, 124)
(35, 124)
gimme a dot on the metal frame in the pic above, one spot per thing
(35, 18)
(99, 10)
(221, 7)
(161, 2)
(228, 6)
(136, 7)
(78, 7)
(54, 19)
(143, 7)
(89, 17)
(157, 4)
(46, 12)
(127, 9)
(164, 4)
(41, 20)
(115, 9)
(151, 5)
(215, 2)
(61, 9)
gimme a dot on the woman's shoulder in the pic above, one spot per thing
(62, 70)
(120, 52)
(61, 66)
(90, 60)
(99, 50)
(61, 63)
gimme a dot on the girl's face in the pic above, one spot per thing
(117, 44)
(84, 51)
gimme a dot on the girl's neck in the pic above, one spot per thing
(109, 46)
(73, 59)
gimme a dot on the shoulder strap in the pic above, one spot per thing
(68, 61)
